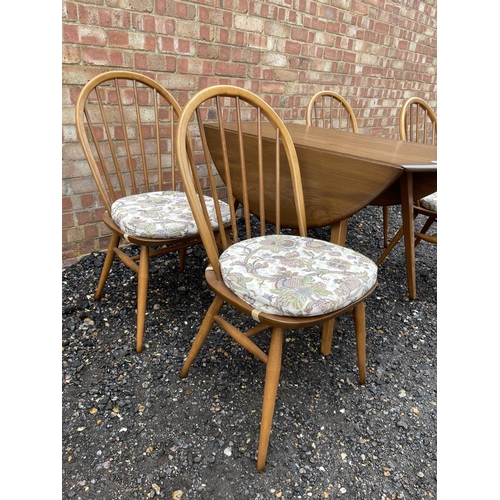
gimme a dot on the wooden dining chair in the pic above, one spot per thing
(126, 125)
(417, 123)
(328, 109)
(277, 279)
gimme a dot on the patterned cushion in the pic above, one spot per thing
(430, 202)
(160, 214)
(296, 276)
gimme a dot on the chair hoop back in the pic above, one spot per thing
(417, 122)
(126, 125)
(225, 123)
(328, 109)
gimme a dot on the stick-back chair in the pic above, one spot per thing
(328, 109)
(417, 123)
(126, 125)
(279, 280)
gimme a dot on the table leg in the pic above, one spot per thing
(339, 232)
(406, 183)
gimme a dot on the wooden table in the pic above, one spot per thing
(343, 172)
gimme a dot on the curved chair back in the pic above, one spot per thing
(417, 122)
(126, 122)
(328, 109)
(238, 163)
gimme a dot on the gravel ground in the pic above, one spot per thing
(131, 428)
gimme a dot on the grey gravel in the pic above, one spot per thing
(131, 428)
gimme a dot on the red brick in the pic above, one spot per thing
(90, 231)
(229, 69)
(98, 16)
(381, 28)
(70, 33)
(292, 47)
(70, 54)
(154, 62)
(103, 57)
(70, 11)
(359, 7)
(84, 217)
(302, 35)
(74, 234)
(118, 38)
(248, 56)
(67, 203)
(257, 40)
(87, 246)
(92, 35)
(70, 254)
(67, 220)
(205, 33)
(183, 11)
(215, 16)
(349, 56)
(273, 88)
(161, 7)
(87, 201)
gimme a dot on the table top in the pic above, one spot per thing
(341, 172)
(390, 152)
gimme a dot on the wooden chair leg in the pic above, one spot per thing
(327, 337)
(108, 262)
(202, 334)
(182, 257)
(391, 245)
(385, 211)
(360, 330)
(425, 228)
(142, 296)
(273, 370)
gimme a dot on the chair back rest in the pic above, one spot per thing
(328, 109)
(126, 125)
(232, 146)
(417, 122)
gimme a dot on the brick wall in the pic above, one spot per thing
(376, 53)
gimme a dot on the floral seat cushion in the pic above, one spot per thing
(160, 215)
(430, 202)
(291, 275)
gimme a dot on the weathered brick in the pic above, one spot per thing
(70, 54)
(92, 35)
(258, 41)
(154, 62)
(135, 5)
(102, 57)
(67, 220)
(359, 7)
(195, 66)
(70, 11)
(228, 69)
(87, 246)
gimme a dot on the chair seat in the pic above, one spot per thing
(160, 215)
(430, 202)
(290, 275)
